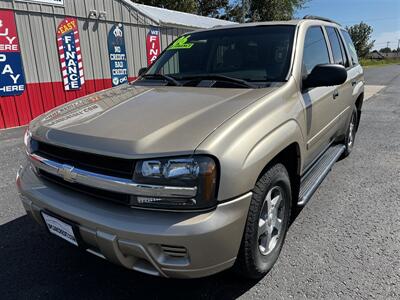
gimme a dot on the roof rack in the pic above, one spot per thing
(311, 17)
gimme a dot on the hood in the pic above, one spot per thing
(135, 121)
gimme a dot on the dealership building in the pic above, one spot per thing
(54, 51)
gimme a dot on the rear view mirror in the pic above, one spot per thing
(325, 75)
(142, 71)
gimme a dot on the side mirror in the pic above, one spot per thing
(142, 71)
(325, 75)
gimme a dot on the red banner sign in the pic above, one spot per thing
(153, 45)
(69, 50)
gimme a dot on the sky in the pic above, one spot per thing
(382, 15)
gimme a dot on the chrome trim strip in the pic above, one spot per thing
(109, 183)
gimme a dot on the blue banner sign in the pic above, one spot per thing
(12, 79)
(117, 55)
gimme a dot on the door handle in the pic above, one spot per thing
(335, 94)
(354, 82)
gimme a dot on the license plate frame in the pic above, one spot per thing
(61, 228)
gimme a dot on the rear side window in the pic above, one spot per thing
(315, 49)
(338, 56)
(350, 47)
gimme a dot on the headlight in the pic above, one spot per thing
(198, 172)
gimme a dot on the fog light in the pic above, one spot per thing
(162, 201)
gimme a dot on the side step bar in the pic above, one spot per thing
(314, 177)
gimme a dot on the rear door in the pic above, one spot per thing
(354, 71)
(342, 98)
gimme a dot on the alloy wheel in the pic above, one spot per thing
(352, 127)
(271, 220)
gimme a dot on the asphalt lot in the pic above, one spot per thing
(344, 244)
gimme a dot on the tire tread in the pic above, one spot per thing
(246, 261)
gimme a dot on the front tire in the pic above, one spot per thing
(267, 223)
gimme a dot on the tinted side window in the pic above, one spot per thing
(335, 45)
(350, 47)
(315, 49)
(344, 53)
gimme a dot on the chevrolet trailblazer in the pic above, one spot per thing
(196, 166)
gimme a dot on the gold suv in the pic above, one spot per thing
(196, 166)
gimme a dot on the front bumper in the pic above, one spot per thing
(169, 244)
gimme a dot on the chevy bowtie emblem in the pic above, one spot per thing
(66, 172)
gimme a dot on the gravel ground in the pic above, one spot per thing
(344, 244)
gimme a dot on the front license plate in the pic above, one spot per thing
(60, 228)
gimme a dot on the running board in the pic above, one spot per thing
(314, 177)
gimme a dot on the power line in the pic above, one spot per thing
(382, 43)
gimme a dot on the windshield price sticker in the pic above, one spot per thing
(69, 50)
(181, 43)
(12, 79)
(117, 55)
(153, 45)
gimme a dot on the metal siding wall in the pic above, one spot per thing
(135, 47)
(87, 58)
(37, 24)
(29, 61)
(59, 10)
(33, 7)
(47, 9)
(6, 4)
(69, 8)
(130, 55)
(117, 9)
(103, 59)
(41, 59)
(142, 44)
(108, 7)
(80, 9)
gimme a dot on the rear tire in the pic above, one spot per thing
(267, 223)
(350, 133)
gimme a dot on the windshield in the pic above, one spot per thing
(241, 56)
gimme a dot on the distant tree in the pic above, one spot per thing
(211, 8)
(361, 36)
(274, 10)
(233, 11)
(385, 50)
(262, 10)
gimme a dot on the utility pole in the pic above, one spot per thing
(387, 44)
(398, 45)
(244, 10)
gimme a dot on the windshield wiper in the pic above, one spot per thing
(167, 78)
(238, 81)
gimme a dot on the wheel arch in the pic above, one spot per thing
(359, 102)
(283, 145)
(290, 157)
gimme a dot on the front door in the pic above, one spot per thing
(320, 101)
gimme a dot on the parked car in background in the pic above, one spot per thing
(196, 166)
